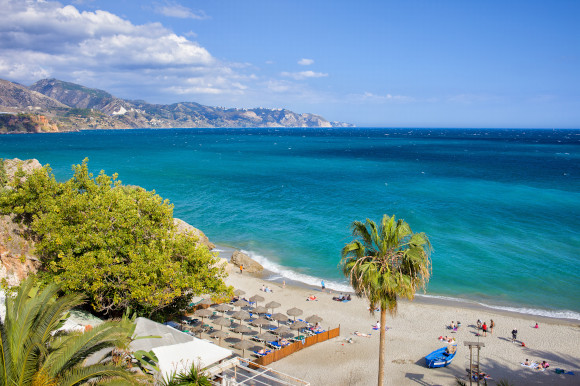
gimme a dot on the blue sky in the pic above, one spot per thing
(407, 63)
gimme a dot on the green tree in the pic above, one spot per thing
(32, 352)
(383, 263)
(116, 244)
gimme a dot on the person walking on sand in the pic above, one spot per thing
(484, 328)
(322, 285)
(491, 326)
(241, 269)
(514, 334)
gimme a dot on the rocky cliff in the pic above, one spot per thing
(75, 107)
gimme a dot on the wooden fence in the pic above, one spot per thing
(276, 355)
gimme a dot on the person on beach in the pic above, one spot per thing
(377, 326)
(514, 334)
(527, 362)
(322, 285)
(536, 326)
(362, 334)
(491, 326)
(241, 269)
(283, 283)
(263, 289)
(484, 328)
(478, 324)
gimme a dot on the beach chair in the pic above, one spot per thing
(273, 345)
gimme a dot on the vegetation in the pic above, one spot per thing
(192, 377)
(383, 263)
(83, 113)
(3, 176)
(114, 243)
(32, 352)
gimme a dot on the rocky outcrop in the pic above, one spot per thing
(11, 166)
(250, 265)
(16, 253)
(183, 227)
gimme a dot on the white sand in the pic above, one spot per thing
(412, 334)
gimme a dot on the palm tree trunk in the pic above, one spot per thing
(382, 346)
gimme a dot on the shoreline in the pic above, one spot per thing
(411, 335)
(267, 275)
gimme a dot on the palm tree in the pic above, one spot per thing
(383, 263)
(33, 352)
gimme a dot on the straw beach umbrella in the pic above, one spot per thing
(240, 303)
(260, 310)
(260, 322)
(282, 330)
(219, 334)
(242, 329)
(312, 319)
(257, 298)
(203, 313)
(279, 317)
(241, 315)
(206, 302)
(243, 345)
(294, 312)
(221, 321)
(273, 305)
(267, 336)
(195, 329)
(223, 307)
(298, 326)
(239, 292)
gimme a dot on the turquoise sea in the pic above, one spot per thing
(501, 207)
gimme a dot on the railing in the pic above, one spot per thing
(276, 355)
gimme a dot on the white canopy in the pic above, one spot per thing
(180, 357)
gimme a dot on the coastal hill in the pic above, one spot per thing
(65, 106)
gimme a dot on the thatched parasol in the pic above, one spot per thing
(221, 321)
(243, 329)
(199, 329)
(294, 312)
(266, 336)
(260, 310)
(206, 302)
(243, 345)
(257, 298)
(273, 305)
(313, 319)
(203, 313)
(298, 326)
(280, 318)
(260, 322)
(241, 315)
(219, 334)
(240, 303)
(282, 330)
(239, 292)
(223, 307)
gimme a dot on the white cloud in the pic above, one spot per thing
(305, 62)
(179, 11)
(41, 39)
(367, 97)
(304, 74)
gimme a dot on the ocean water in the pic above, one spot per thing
(501, 207)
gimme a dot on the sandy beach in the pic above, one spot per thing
(412, 334)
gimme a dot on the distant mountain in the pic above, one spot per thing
(70, 106)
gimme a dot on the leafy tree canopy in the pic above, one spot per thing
(117, 244)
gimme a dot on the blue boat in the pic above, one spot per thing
(441, 357)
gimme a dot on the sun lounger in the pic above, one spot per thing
(261, 355)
